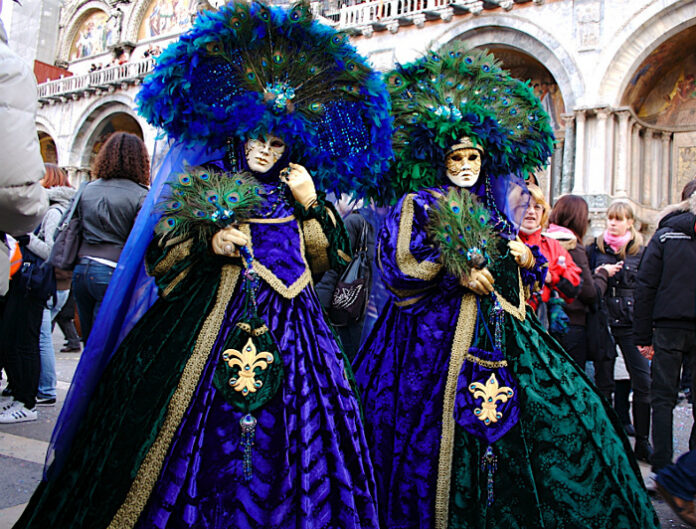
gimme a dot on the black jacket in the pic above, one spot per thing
(665, 295)
(619, 296)
(108, 209)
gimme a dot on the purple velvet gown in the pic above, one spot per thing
(562, 461)
(310, 461)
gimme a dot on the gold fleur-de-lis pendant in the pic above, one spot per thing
(491, 393)
(247, 359)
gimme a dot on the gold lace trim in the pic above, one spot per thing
(144, 482)
(273, 280)
(317, 245)
(408, 302)
(425, 270)
(485, 363)
(519, 312)
(463, 336)
(343, 255)
(178, 279)
(407, 293)
(180, 252)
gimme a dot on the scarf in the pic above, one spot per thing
(617, 242)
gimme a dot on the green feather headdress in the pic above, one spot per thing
(453, 93)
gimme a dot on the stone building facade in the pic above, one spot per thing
(617, 77)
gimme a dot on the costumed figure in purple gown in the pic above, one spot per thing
(227, 402)
(475, 417)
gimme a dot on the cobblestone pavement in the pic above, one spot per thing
(23, 447)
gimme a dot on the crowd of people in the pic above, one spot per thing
(441, 353)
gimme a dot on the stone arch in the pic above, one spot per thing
(46, 131)
(75, 20)
(520, 34)
(135, 19)
(92, 119)
(635, 41)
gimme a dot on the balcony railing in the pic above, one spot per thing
(111, 76)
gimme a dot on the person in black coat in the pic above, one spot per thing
(622, 245)
(354, 221)
(664, 324)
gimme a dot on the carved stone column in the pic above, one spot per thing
(634, 186)
(598, 166)
(664, 197)
(623, 154)
(568, 153)
(579, 180)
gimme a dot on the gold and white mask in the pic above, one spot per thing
(463, 163)
(263, 153)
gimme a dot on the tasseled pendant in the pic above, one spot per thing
(489, 464)
(248, 424)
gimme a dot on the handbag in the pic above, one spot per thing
(600, 341)
(351, 294)
(68, 237)
(35, 276)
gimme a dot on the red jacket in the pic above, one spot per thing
(563, 272)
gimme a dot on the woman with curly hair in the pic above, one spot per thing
(108, 207)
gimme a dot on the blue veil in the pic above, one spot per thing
(130, 294)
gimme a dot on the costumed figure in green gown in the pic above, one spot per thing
(229, 402)
(475, 417)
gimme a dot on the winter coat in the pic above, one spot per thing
(42, 243)
(619, 296)
(665, 295)
(564, 273)
(23, 201)
(108, 209)
(592, 286)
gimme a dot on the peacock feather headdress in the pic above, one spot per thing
(250, 69)
(454, 93)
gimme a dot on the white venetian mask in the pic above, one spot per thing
(263, 153)
(463, 166)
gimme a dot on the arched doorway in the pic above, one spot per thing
(49, 152)
(662, 95)
(117, 122)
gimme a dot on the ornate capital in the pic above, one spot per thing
(393, 26)
(419, 20)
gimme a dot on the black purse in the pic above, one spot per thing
(36, 276)
(68, 237)
(352, 291)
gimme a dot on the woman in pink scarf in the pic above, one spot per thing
(621, 244)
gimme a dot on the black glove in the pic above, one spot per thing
(23, 240)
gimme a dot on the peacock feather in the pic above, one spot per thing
(202, 201)
(455, 92)
(462, 229)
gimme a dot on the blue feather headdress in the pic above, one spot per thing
(251, 69)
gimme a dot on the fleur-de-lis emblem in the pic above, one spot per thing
(491, 394)
(247, 359)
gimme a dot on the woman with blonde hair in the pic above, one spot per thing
(562, 282)
(621, 244)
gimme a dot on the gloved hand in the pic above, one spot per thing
(23, 240)
(300, 183)
(479, 281)
(226, 242)
(523, 255)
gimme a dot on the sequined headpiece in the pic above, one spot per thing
(464, 142)
(250, 69)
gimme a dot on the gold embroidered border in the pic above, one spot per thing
(425, 270)
(317, 245)
(149, 471)
(179, 252)
(463, 336)
(408, 302)
(274, 281)
(519, 312)
(178, 279)
(407, 293)
(343, 255)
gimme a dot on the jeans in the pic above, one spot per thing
(638, 368)
(90, 281)
(680, 479)
(47, 378)
(671, 347)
